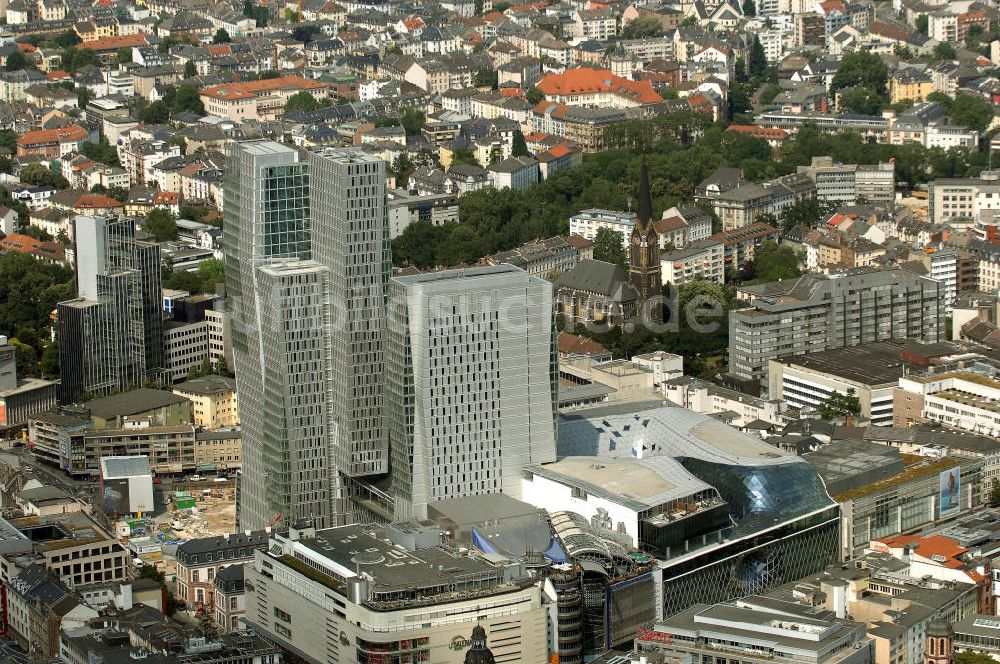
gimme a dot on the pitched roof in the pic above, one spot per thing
(592, 81)
(574, 344)
(73, 132)
(594, 276)
(116, 42)
(249, 89)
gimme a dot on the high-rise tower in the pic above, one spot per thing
(280, 308)
(111, 335)
(644, 255)
(472, 375)
(350, 237)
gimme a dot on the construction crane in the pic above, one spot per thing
(277, 517)
(300, 11)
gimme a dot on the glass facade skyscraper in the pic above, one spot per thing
(307, 251)
(111, 335)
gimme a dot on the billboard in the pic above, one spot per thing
(949, 484)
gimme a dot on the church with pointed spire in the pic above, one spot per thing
(608, 293)
(644, 253)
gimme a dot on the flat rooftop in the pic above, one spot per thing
(872, 364)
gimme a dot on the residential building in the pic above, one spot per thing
(486, 334)
(701, 259)
(257, 100)
(849, 184)
(740, 243)
(221, 449)
(111, 335)
(213, 401)
(707, 398)
(545, 257)
(960, 398)
(51, 143)
(200, 560)
(230, 598)
(38, 606)
(820, 312)
(20, 399)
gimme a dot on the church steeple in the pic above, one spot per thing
(644, 252)
(644, 212)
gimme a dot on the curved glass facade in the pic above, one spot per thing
(761, 497)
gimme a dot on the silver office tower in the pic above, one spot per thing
(472, 380)
(111, 335)
(350, 237)
(307, 260)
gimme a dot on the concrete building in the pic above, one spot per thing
(126, 485)
(355, 592)
(737, 408)
(230, 598)
(959, 399)
(38, 606)
(472, 376)
(882, 494)
(702, 259)
(20, 399)
(586, 223)
(872, 371)
(820, 312)
(213, 401)
(849, 184)
(761, 630)
(185, 347)
(111, 335)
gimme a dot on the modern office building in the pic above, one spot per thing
(472, 383)
(725, 514)
(20, 398)
(817, 312)
(280, 314)
(350, 238)
(111, 335)
(308, 260)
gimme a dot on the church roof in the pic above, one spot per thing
(594, 276)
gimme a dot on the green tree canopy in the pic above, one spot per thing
(519, 148)
(301, 102)
(534, 96)
(221, 37)
(839, 405)
(413, 121)
(861, 69)
(190, 69)
(773, 261)
(971, 111)
(16, 61)
(156, 113)
(608, 247)
(944, 51)
(124, 56)
(642, 28)
(161, 225)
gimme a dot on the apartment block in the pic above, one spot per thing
(819, 312)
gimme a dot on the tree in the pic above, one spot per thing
(67, 39)
(118, 193)
(221, 37)
(124, 56)
(37, 175)
(969, 657)
(534, 96)
(301, 102)
(101, 152)
(155, 113)
(861, 100)
(186, 99)
(48, 365)
(861, 69)
(464, 156)
(944, 51)
(773, 261)
(16, 61)
(161, 225)
(519, 148)
(642, 28)
(749, 8)
(757, 60)
(971, 111)
(608, 246)
(921, 23)
(74, 58)
(839, 405)
(768, 93)
(413, 121)
(486, 78)
(83, 96)
(256, 12)
(190, 69)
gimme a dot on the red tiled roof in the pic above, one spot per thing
(72, 132)
(669, 224)
(585, 80)
(219, 49)
(27, 48)
(97, 202)
(255, 88)
(560, 150)
(510, 92)
(28, 245)
(756, 131)
(58, 75)
(167, 198)
(573, 344)
(116, 42)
